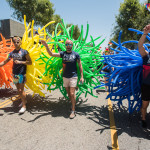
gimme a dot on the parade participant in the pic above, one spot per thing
(70, 60)
(106, 70)
(145, 94)
(20, 58)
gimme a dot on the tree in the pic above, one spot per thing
(41, 11)
(76, 31)
(144, 17)
(129, 13)
(57, 20)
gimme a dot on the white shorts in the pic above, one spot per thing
(70, 82)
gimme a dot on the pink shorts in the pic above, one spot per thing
(70, 82)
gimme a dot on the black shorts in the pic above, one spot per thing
(145, 92)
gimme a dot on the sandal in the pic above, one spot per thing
(72, 115)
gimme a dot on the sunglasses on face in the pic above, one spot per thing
(16, 42)
(68, 44)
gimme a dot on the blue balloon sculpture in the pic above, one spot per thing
(124, 80)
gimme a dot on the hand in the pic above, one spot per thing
(44, 43)
(147, 29)
(17, 62)
(81, 81)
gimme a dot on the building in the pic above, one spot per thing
(10, 28)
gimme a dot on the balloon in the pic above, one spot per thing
(90, 59)
(6, 46)
(147, 5)
(124, 80)
(46, 71)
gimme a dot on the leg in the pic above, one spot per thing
(73, 102)
(66, 85)
(22, 94)
(72, 85)
(145, 95)
(144, 109)
(143, 112)
(71, 94)
(73, 97)
(68, 92)
(105, 80)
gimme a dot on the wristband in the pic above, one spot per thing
(144, 34)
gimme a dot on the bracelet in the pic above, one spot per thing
(144, 34)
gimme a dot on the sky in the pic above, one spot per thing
(99, 14)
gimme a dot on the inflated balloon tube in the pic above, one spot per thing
(6, 46)
(31, 43)
(90, 59)
(124, 80)
(46, 71)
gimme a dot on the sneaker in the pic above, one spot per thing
(106, 90)
(144, 124)
(22, 110)
(72, 115)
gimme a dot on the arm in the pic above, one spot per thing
(142, 50)
(49, 51)
(27, 62)
(81, 70)
(4, 62)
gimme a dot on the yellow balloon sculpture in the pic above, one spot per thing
(35, 78)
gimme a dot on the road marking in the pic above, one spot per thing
(114, 136)
(11, 98)
(5, 103)
(7, 100)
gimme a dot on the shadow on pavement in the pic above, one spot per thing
(97, 114)
(9, 93)
(14, 108)
(5, 93)
(130, 123)
(42, 106)
(48, 106)
(125, 123)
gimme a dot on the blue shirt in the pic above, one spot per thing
(18, 55)
(69, 63)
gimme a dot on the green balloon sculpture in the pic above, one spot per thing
(90, 58)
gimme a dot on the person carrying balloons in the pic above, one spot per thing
(145, 93)
(21, 59)
(70, 60)
(106, 70)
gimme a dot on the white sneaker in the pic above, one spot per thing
(22, 110)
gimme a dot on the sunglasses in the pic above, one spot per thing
(68, 44)
(16, 42)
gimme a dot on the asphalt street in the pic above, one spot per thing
(46, 124)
